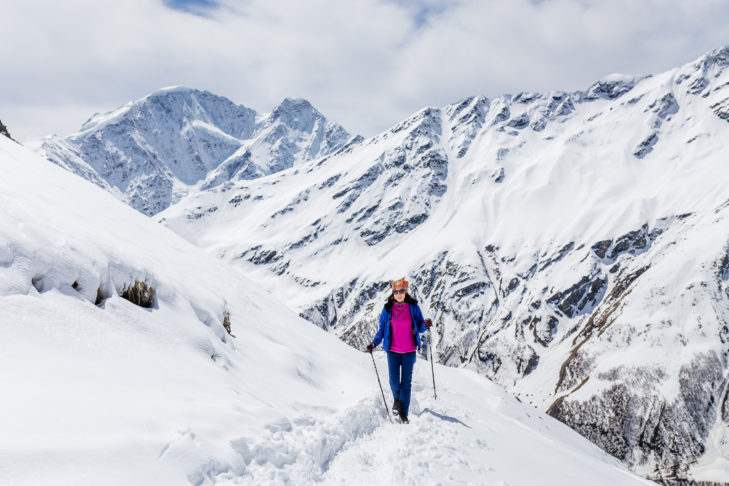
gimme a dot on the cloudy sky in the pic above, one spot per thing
(364, 63)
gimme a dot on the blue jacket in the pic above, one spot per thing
(385, 330)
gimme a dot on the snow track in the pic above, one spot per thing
(448, 441)
(304, 447)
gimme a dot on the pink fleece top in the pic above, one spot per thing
(403, 339)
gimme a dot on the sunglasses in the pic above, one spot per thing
(398, 291)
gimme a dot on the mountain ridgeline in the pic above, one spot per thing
(571, 246)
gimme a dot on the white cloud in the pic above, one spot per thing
(364, 63)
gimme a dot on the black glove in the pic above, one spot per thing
(428, 323)
(370, 347)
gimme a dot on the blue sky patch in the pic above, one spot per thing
(425, 12)
(196, 7)
(422, 11)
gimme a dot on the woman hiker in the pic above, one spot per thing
(401, 323)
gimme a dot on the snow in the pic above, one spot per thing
(619, 78)
(116, 394)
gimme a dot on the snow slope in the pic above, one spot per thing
(117, 394)
(572, 247)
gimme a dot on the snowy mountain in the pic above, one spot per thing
(572, 246)
(99, 390)
(155, 150)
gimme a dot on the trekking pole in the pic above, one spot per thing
(435, 396)
(384, 402)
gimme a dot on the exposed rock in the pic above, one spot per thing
(519, 122)
(581, 297)
(4, 131)
(610, 89)
(664, 107)
(636, 426)
(632, 241)
(601, 247)
(498, 175)
(721, 109)
(646, 146)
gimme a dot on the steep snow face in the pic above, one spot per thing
(154, 150)
(571, 246)
(97, 390)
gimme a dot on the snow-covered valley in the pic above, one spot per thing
(98, 390)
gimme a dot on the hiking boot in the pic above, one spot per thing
(396, 408)
(403, 417)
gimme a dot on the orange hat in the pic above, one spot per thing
(400, 284)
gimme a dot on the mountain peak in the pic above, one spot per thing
(296, 113)
(176, 104)
(174, 92)
(296, 104)
(175, 88)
